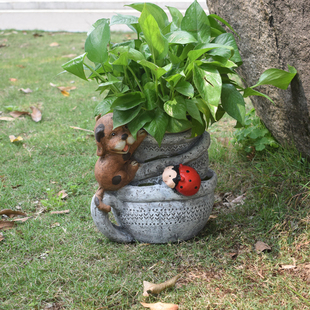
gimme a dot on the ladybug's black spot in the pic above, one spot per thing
(116, 180)
(189, 180)
(196, 187)
(181, 186)
(187, 171)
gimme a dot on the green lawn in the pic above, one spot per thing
(61, 261)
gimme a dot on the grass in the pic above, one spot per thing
(54, 261)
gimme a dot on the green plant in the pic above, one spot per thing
(253, 136)
(53, 200)
(175, 76)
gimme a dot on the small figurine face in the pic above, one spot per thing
(168, 175)
(109, 140)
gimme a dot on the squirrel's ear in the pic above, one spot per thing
(97, 117)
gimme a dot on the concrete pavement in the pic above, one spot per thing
(71, 15)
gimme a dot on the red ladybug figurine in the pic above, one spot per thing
(182, 178)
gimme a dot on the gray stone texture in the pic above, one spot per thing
(275, 33)
(147, 210)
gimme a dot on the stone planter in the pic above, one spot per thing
(147, 210)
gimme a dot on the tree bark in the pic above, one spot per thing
(275, 33)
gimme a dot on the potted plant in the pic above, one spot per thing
(175, 76)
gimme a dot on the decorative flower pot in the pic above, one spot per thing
(147, 210)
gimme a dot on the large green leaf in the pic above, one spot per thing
(121, 118)
(197, 127)
(216, 29)
(251, 92)
(204, 109)
(135, 55)
(277, 77)
(157, 127)
(212, 18)
(122, 60)
(157, 43)
(178, 125)
(186, 50)
(208, 82)
(76, 66)
(158, 71)
(150, 94)
(128, 101)
(104, 106)
(174, 79)
(200, 49)
(123, 19)
(157, 12)
(233, 102)
(129, 20)
(185, 88)
(107, 85)
(227, 39)
(219, 61)
(193, 110)
(176, 108)
(180, 37)
(176, 15)
(97, 41)
(196, 22)
(139, 121)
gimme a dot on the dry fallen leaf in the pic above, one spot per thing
(10, 213)
(8, 119)
(160, 306)
(6, 225)
(13, 79)
(66, 90)
(21, 66)
(37, 35)
(239, 200)
(62, 194)
(262, 246)
(36, 114)
(14, 139)
(233, 254)
(282, 267)
(55, 225)
(60, 212)
(212, 217)
(152, 288)
(17, 114)
(26, 91)
(23, 219)
(54, 44)
(65, 93)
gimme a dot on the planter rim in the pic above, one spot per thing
(161, 192)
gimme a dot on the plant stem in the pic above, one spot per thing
(162, 88)
(95, 72)
(135, 77)
(127, 78)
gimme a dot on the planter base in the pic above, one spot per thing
(155, 213)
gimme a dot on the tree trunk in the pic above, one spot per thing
(275, 33)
